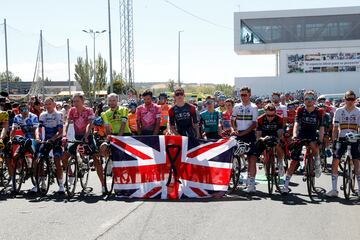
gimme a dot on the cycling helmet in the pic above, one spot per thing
(98, 121)
(258, 100)
(222, 97)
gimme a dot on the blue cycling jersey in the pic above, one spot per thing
(27, 125)
(51, 122)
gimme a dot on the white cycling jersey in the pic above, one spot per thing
(245, 115)
(347, 121)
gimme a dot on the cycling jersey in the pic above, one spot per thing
(269, 128)
(80, 119)
(51, 122)
(4, 117)
(210, 121)
(347, 121)
(164, 116)
(148, 115)
(183, 117)
(27, 125)
(114, 119)
(132, 122)
(245, 115)
(226, 120)
(281, 110)
(309, 122)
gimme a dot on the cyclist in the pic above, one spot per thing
(132, 117)
(244, 119)
(221, 103)
(280, 109)
(51, 121)
(271, 124)
(308, 120)
(4, 125)
(210, 120)
(260, 106)
(148, 116)
(27, 122)
(346, 120)
(116, 122)
(82, 118)
(182, 116)
(327, 129)
(164, 115)
(226, 116)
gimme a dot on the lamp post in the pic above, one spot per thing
(94, 34)
(179, 57)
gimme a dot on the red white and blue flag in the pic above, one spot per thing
(170, 167)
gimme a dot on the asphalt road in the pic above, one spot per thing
(239, 216)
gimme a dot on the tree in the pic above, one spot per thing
(227, 89)
(101, 69)
(119, 84)
(171, 85)
(83, 75)
(12, 77)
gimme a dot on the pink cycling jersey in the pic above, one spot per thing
(80, 119)
(148, 115)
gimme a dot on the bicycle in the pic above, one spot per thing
(271, 169)
(237, 161)
(45, 170)
(78, 167)
(309, 173)
(348, 168)
(24, 164)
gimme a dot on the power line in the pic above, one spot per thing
(198, 17)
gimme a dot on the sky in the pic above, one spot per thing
(207, 40)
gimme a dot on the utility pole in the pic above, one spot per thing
(87, 62)
(6, 59)
(68, 52)
(93, 35)
(42, 65)
(179, 32)
(110, 50)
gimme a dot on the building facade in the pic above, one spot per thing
(316, 49)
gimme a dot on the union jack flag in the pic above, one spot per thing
(170, 167)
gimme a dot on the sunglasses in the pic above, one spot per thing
(309, 99)
(290, 106)
(209, 102)
(244, 95)
(270, 115)
(179, 94)
(350, 99)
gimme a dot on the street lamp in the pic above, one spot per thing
(179, 57)
(94, 34)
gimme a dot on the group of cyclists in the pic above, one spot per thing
(287, 121)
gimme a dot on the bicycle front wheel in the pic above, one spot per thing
(19, 175)
(347, 178)
(108, 177)
(235, 174)
(270, 174)
(71, 177)
(310, 177)
(43, 176)
(84, 173)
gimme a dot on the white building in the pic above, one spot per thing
(316, 48)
